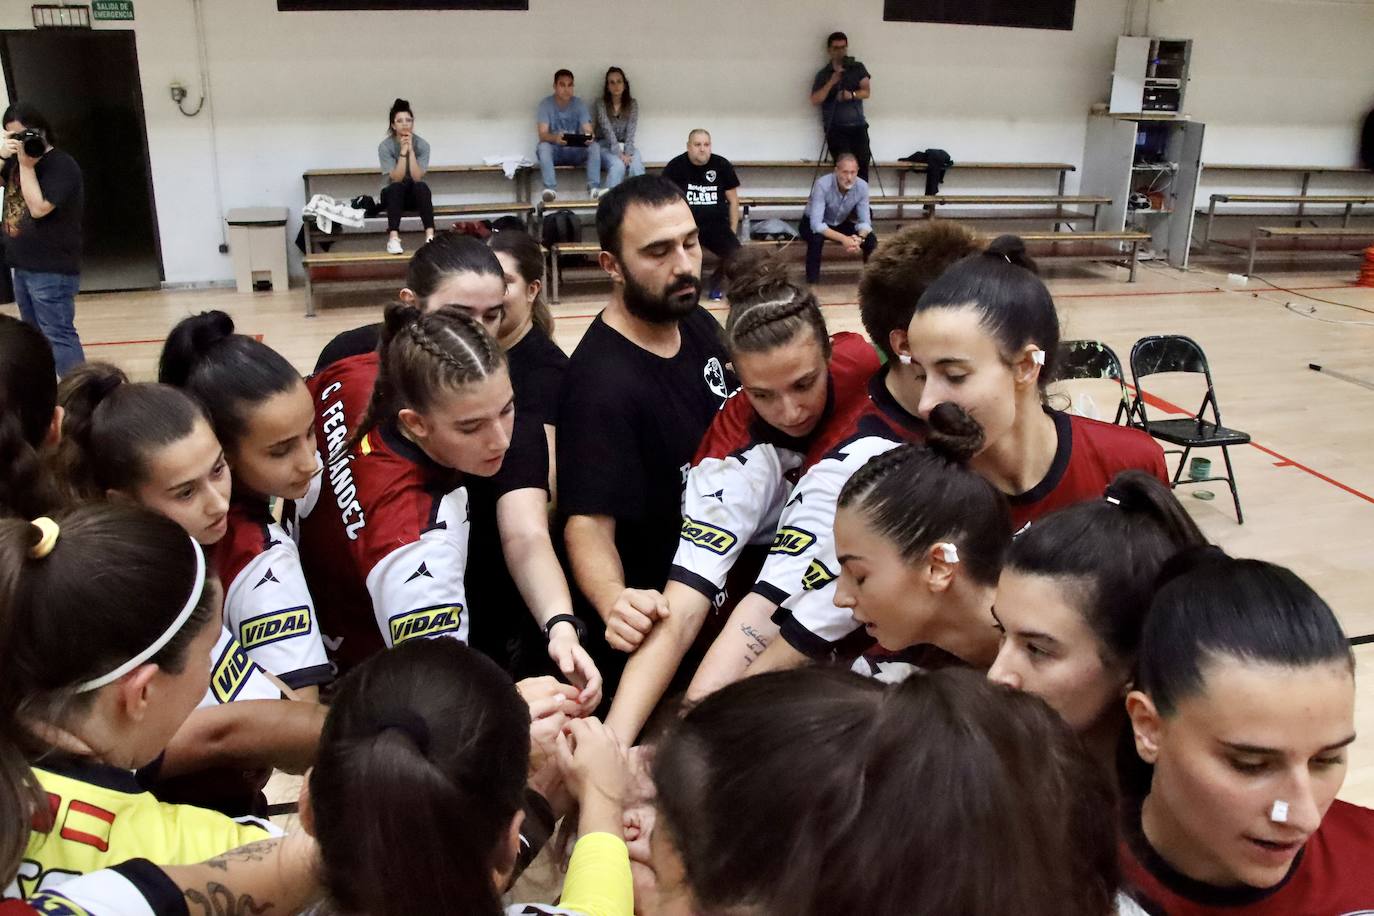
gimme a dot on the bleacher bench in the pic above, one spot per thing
(1299, 232)
(1301, 201)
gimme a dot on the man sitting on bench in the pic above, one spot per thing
(565, 137)
(838, 210)
(712, 190)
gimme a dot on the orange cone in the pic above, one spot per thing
(1367, 271)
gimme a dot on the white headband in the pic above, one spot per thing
(175, 627)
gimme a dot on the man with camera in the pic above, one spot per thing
(43, 200)
(839, 89)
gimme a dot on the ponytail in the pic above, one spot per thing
(28, 398)
(82, 595)
(111, 426)
(917, 497)
(529, 266)
(767, 307)
(420, 771)
(229, 373)
(1002, 284)
(1112, 550)
(422, 354)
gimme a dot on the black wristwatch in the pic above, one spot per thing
(578, 626)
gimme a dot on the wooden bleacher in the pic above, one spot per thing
(1300, 201)
(338, 266)
(1301, 232)
(1131, 238)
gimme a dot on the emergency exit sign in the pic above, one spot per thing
(112, 9)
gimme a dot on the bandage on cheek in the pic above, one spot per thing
(1279, 813)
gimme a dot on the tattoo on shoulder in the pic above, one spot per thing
(256, 851)
(218, 900)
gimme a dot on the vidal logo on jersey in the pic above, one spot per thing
(428, 621)
(278, 625)
(792, 541)
(716, 540)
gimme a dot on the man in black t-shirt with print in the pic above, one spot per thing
(639, 392)
(712, 190)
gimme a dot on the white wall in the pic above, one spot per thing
(1276, 80)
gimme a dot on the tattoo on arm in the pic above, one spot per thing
(757, 642)
(218, 900)
(257, 851)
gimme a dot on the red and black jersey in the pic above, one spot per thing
(384, 545)
(1331, 875)
(802, 556)
(266, 602)
(744, 469)
(1089, 454)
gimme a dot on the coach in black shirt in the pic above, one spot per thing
(712, 190)
(640, 390)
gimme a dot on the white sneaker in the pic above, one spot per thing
(549, 195)
(393, 246)
(598, 193)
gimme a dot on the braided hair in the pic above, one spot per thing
(917, 496)
(423, 353)
(767, 307)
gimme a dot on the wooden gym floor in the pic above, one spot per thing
(1306, 483)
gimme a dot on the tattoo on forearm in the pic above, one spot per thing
(219, 900)
(256, 851)
(757, 642)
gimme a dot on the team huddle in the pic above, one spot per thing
(774, 620)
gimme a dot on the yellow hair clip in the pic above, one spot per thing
(49, 539)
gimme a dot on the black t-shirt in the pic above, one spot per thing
(704, 185)
(835, 113)
(499, 614)
(350, 343)
(629, 425)
(50, 245)
(537, 366)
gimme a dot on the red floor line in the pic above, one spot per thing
(1283, 460)
(130, 343)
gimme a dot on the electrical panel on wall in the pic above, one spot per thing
(1151, 75)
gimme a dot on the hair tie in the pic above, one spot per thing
(48, 540)
(409, 722)
(1126, 500)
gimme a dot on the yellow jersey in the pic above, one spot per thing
(98, 816)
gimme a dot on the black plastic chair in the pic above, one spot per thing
(1091, 359)
(1176, 353)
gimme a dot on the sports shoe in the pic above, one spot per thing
(597, 193)
(549, 195)
(393, 246)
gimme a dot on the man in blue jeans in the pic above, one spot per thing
(42, 223)
(838, 210)
(563, 115)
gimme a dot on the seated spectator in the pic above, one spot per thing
(404, 156)
(712, 190)
(565, 137)
(617, 117)
(838, 210)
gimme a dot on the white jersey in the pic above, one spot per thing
(267, 605)
(235, 676)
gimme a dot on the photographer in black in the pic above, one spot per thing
(840, 88)
(43, 199)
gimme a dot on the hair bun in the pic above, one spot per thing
(954, 434)
(1188, 560)
(754, 274)
(400, 104)
(1012, 248)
